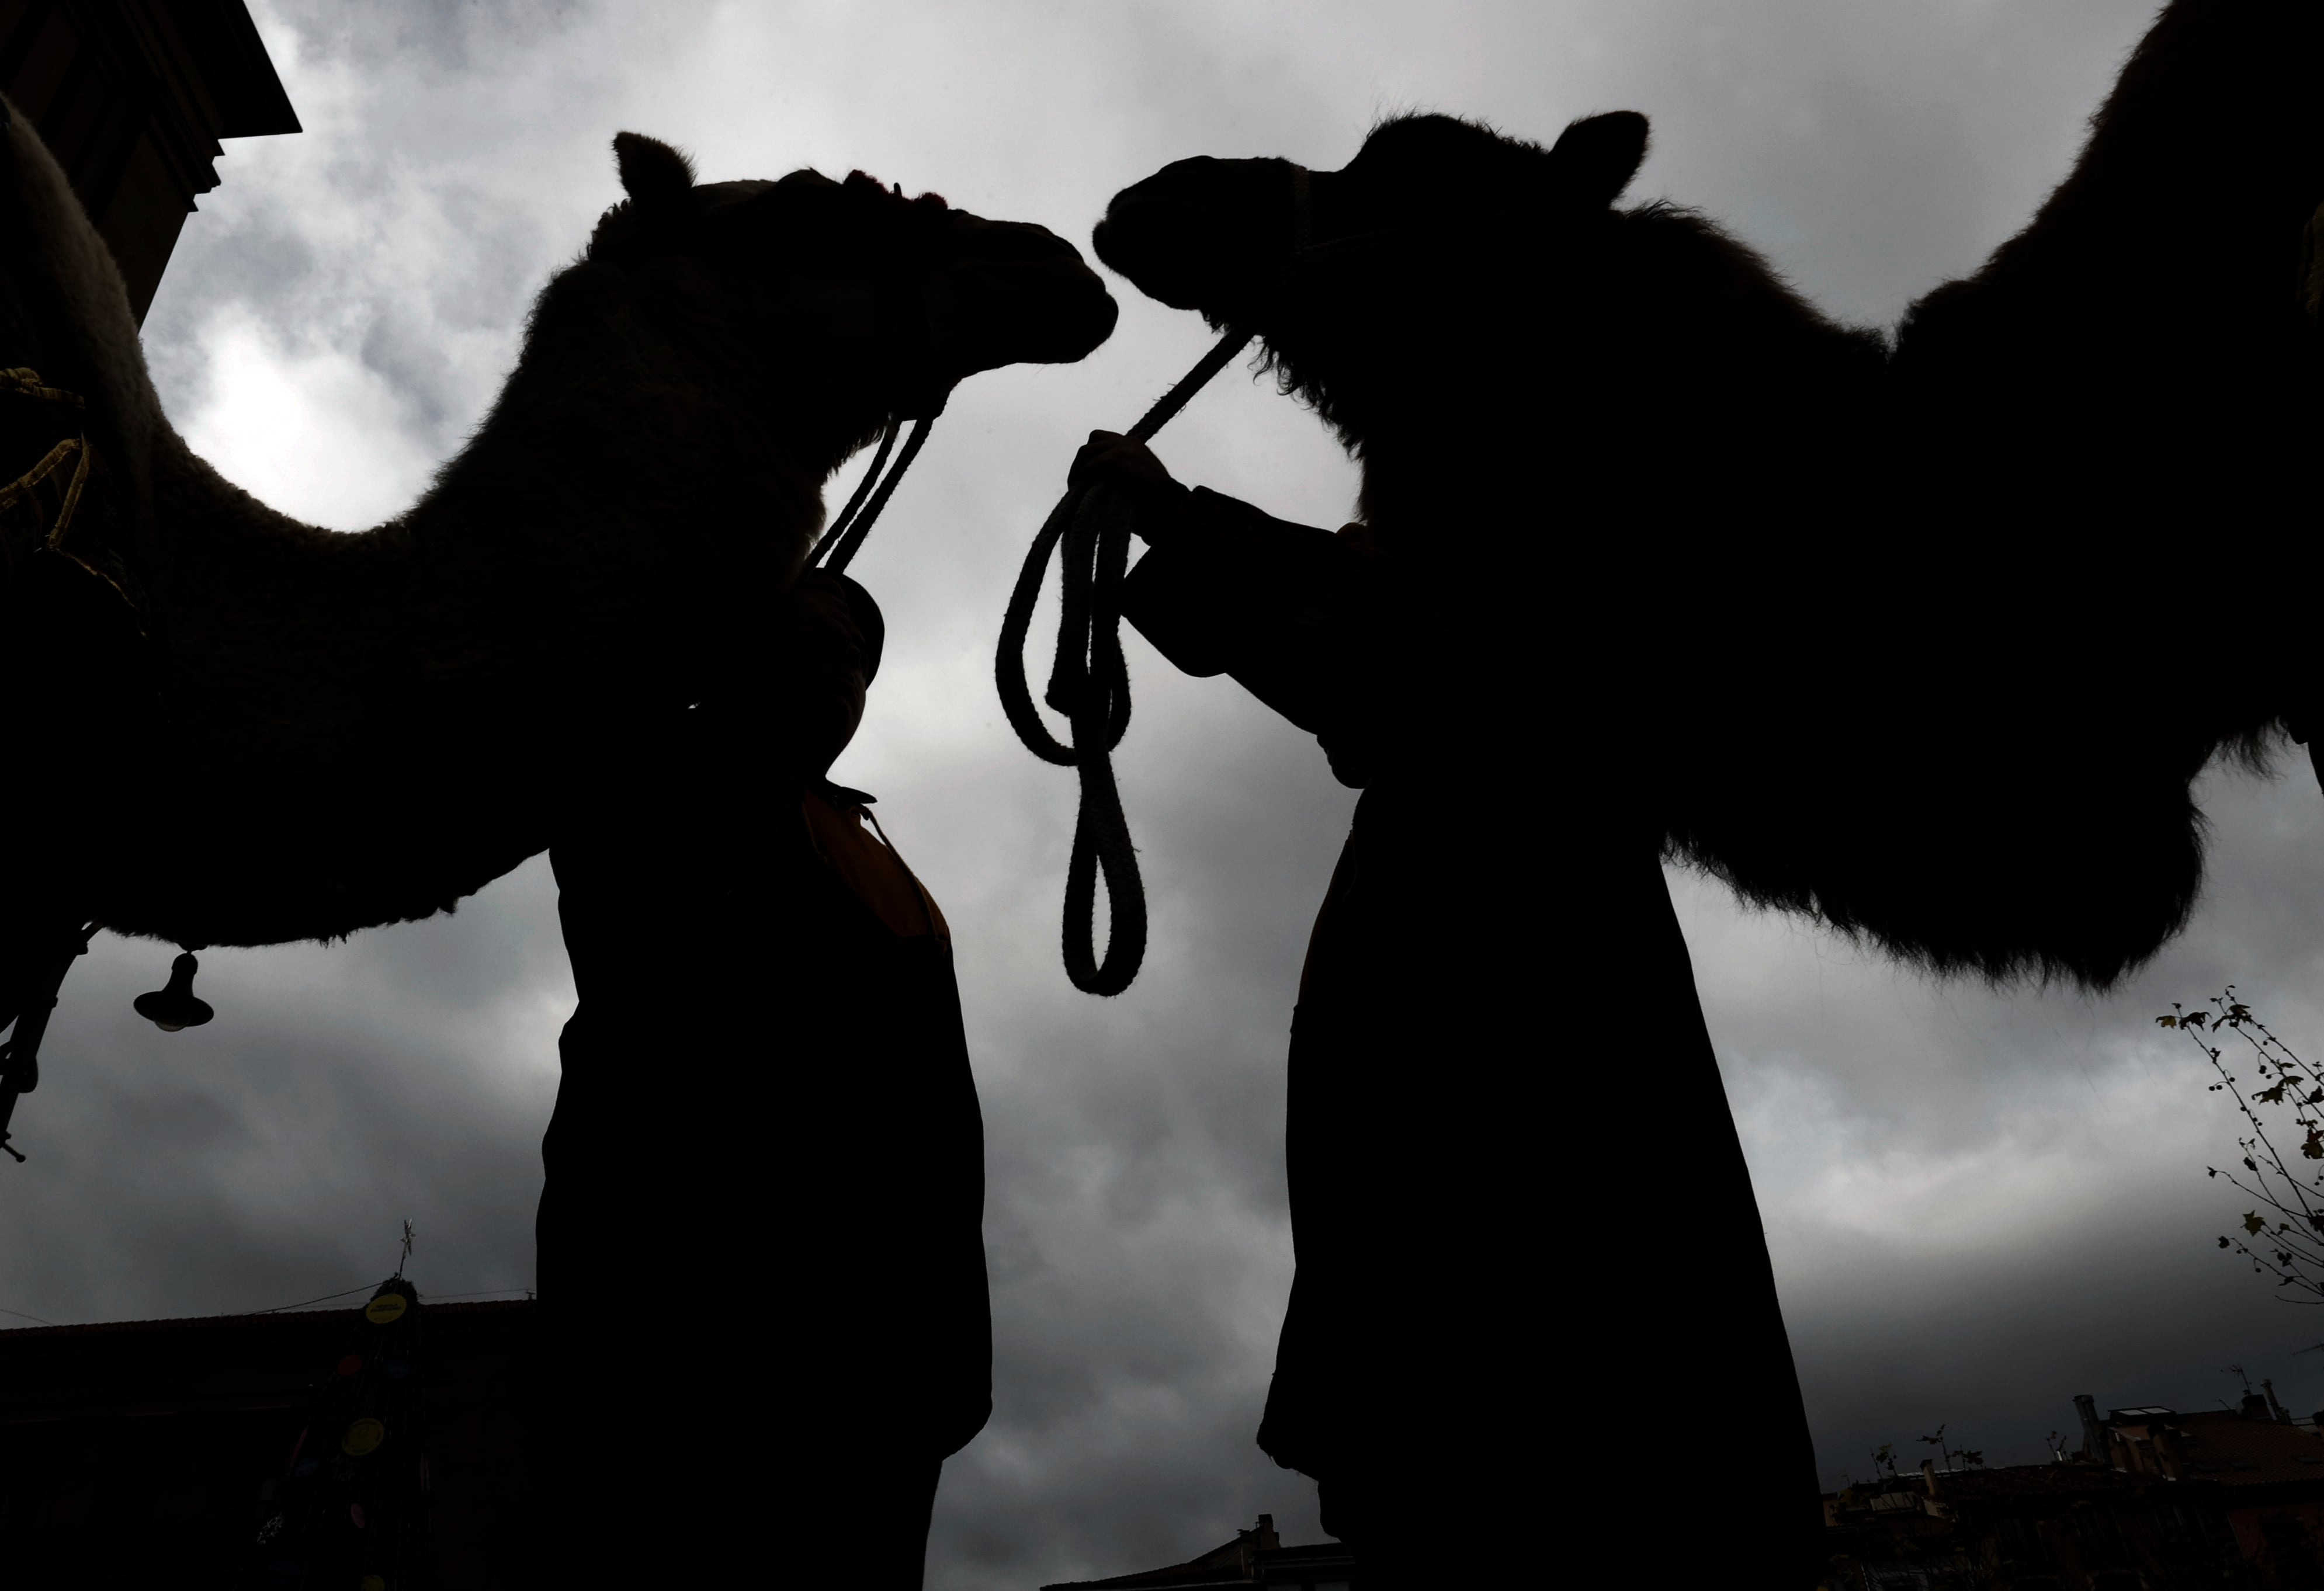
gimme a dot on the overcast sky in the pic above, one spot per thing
(1979, 1205)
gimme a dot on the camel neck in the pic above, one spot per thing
(588, 561)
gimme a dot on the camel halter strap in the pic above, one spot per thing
(1088, 680)
(845, 537)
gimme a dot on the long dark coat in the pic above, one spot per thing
(762, 1262)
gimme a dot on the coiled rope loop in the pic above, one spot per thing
(1089, 684)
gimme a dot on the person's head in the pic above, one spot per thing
(827, 639)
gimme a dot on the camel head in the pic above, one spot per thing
(1219, 236)
(896, 300)
(1396, 286)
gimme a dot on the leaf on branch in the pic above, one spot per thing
(2274, 1096)
(2166, 1022)
(2253, 1224)
(2194, 1019)
(2314, 1146)
(2224, 1243)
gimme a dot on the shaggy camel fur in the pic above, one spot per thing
(1875, 634)
(352, 730)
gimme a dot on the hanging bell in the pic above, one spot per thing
(176, 1007)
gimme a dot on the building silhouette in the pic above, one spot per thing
(1256, 1557)
(133, 97)
(145, 1453)
(2153, 1500)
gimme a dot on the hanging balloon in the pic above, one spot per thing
(386, 1310)
(363, 1436)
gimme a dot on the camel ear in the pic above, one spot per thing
(1596, 157)
(653, 173)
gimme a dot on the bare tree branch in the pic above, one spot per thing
(2290, 1250)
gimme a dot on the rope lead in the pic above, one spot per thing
(1089, 684)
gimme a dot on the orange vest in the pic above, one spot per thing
(869, 867)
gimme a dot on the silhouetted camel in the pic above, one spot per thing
(585, 632)
(360, 728)
(1655, 561)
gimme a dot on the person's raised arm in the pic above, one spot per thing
(1293, 611)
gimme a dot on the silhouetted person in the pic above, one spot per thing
(762, 1269)
(1490, 1261)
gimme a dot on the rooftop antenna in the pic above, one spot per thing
(406, 1255)
(2237, 1371)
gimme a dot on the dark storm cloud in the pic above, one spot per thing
(1980, 1203)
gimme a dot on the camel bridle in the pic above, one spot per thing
(839, 543)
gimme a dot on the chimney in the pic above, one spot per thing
(1929, 1475)
(2256, 1407)
(2282, 1415)
(2094, 1439)
(1268, 1542)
